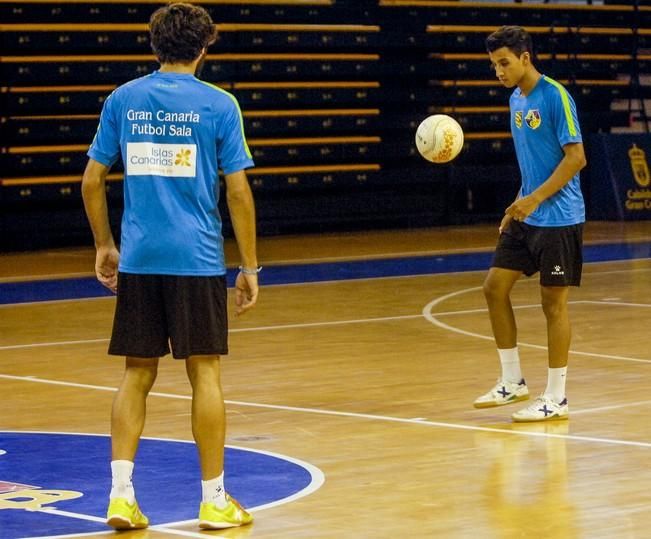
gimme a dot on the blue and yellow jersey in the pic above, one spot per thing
(542, 123)
(174, 132)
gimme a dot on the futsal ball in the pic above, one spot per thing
(439, 138)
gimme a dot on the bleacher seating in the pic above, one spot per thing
(308, 86)
(526, 14)
(595, 50)
(331, 94)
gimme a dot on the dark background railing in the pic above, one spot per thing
(331, 91)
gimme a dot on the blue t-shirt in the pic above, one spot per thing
(541, 124)
(174, 133)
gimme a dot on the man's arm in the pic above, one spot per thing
(573, 161)
(93, 190)
(242, 210)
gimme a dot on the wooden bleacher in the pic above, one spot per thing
(331, 94)
(593, 50)
(307, 85)
(526, 14)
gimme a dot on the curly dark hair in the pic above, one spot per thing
(514, 38)
(179, 32)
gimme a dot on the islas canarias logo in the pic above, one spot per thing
(154, 159)
(183, 158)
(533, 118)
(518, 119)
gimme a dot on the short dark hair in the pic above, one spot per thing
(514, 38)
(179, 32)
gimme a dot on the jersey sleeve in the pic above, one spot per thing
(105, 147)
(233, 153)
(566, 121)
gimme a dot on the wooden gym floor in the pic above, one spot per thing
(372, 382)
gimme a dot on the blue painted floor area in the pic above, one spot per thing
(48, 290)
(71, 473)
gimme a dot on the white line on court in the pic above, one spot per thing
(618, 303)
(238, 330)
(316, 482)
(161, 528)
(85, 534)
(79, 516)
(57, 343)
(70, 514)
(84, 386)
(354, 415)
(427, 313)
(611, 407)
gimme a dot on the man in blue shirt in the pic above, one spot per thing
(542, 230)
(173, 132)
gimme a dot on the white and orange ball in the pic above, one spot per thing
(439, 138)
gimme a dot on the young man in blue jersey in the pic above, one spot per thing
(542, 230)
(174, 132)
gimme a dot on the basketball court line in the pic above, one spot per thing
(316, 482)
(611, 407)
(356, 415)
(433, 319)
(68, 535)
(57, 343)
(79, 516)
(426, 314)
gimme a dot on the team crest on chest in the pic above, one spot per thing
(533, 118)
(518, 119)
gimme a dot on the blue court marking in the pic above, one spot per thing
(166, 478)
(88, 287)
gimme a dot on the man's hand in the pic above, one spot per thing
(246, 292)
(106, 267)
(522, 207)
(505, 222)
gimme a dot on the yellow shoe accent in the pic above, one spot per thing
(212, 517)
(122, 515)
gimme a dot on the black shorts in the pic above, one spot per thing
(156, 311)
(556, 252)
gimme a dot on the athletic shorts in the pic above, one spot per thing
(154, 312)
(556, 252)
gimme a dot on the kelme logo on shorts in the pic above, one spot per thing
(558, 271)
(152, 159)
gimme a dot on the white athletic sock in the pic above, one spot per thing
(122, 486)
(510, 360)
(213, 491)
(556, 384)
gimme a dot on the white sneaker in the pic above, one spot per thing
(503, 393)
(542, 409)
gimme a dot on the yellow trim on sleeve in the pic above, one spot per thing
(566, 105)
(239, 112)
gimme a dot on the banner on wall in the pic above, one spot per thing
(620, 183)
